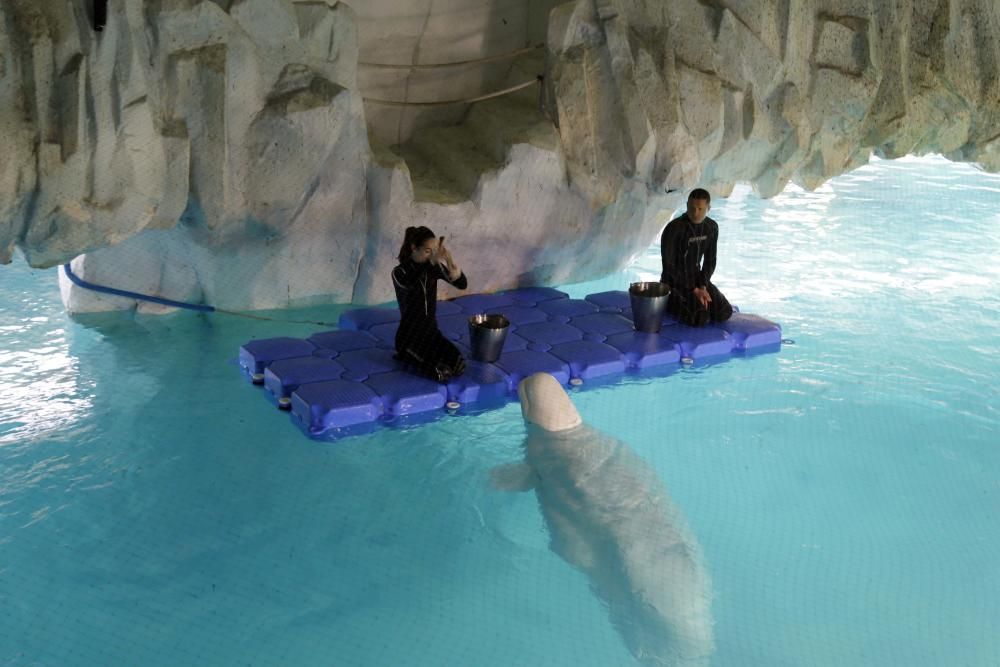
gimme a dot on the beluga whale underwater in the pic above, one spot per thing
(609, 515)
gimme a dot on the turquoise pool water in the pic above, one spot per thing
(155, 510)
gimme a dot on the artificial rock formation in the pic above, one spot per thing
(241, 153)
(768, 92)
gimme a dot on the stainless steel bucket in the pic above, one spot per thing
(649, 303)
(487, 332)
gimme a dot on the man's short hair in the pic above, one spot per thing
(700, 193)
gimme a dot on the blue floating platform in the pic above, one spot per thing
(348, 380)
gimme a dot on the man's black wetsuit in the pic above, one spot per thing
(418, 339)
(683, 245)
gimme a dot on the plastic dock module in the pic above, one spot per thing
(751, 331)
(329, 344)
(543, 335)
(698, 343)
(518, 315)
(348, 380)
(283, 377)
(385, 334)
(610, 302)
(403, 393)
(480, 382)
(321, 406)
(454, 326)
(359, 365)
(568, 308)
(645, 350)
(519, 365)
(445, 308)
(482, 303)
(531, 296)
(588, 359)
(257, 355)
(363, 319)
(601, 325)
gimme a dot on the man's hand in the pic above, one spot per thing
(704, 298)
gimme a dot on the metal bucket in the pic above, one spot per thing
(487, 332)
(649, 303)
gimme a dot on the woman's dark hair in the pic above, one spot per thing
(415, 236)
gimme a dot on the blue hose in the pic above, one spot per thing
(77, 280)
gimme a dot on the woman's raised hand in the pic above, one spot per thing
(445, 259)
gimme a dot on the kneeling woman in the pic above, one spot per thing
(423, 260)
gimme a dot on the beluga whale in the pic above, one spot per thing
(609, 515)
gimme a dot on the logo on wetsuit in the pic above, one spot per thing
(697, 239)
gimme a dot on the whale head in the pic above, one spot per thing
(545, 404)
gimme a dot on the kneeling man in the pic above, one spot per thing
(688, 247)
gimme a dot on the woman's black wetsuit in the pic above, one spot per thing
(418, 339)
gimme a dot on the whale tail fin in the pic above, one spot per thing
(514, 477)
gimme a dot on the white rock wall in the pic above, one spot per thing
(219, 151)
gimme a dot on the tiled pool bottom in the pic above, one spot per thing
(346, 381)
